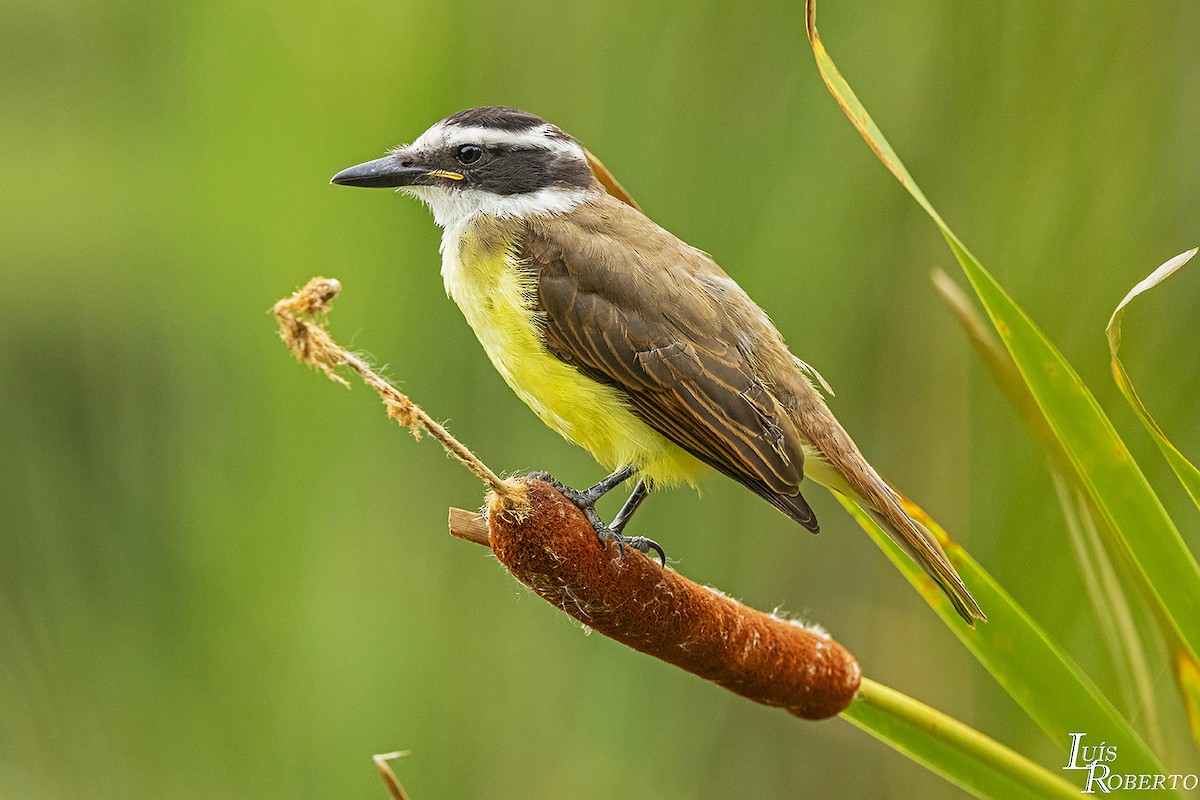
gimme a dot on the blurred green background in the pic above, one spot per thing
(222, 576)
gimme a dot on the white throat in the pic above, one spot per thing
(452, 207)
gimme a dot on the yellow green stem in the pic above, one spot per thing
(959, 753)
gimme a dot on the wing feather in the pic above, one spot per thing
(666, 344)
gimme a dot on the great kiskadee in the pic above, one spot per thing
(621, 337)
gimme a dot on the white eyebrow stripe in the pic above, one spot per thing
(454, 135)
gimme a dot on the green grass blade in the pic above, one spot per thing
(1022, 658)
(858, 115)
(1004, 373)
(1121, 636)
(960, 754)
(1187, 473)
(1141, 530)
(1143, 534)
(1114, 614)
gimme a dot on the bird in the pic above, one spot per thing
(623, 338)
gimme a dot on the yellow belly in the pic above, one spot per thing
(496, 297)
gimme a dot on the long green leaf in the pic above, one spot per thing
(1143, 534)
(1122, 638)
(1105, 593)
(1022, 658)
(1004, 373)
(1141, 531)
(958, 753)
(1187, 473)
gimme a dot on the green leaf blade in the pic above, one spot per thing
(1141, 532)
(960, 754)
(1022, 658)
(1187, 473)
(1146, 534)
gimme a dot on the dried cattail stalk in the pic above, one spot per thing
(774, 661)
(301, 326)
(389, 777)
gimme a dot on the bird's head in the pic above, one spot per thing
(495, 160)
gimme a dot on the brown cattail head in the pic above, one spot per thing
(778, 662)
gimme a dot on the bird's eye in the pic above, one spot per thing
(468, 154)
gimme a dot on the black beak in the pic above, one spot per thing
(382, 172)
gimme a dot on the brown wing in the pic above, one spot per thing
(636, 319)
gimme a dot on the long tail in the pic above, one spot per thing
(859, 481)
(932, 559)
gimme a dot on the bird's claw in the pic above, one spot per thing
(640, 543)
(585, 501)
(544, 477)
(583, 498)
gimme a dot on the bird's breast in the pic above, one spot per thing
(498, 296)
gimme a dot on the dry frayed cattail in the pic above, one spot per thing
(302, 328)
(307, 338)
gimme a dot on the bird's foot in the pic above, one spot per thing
(639, 543)
(585, 501)
(584, 498)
